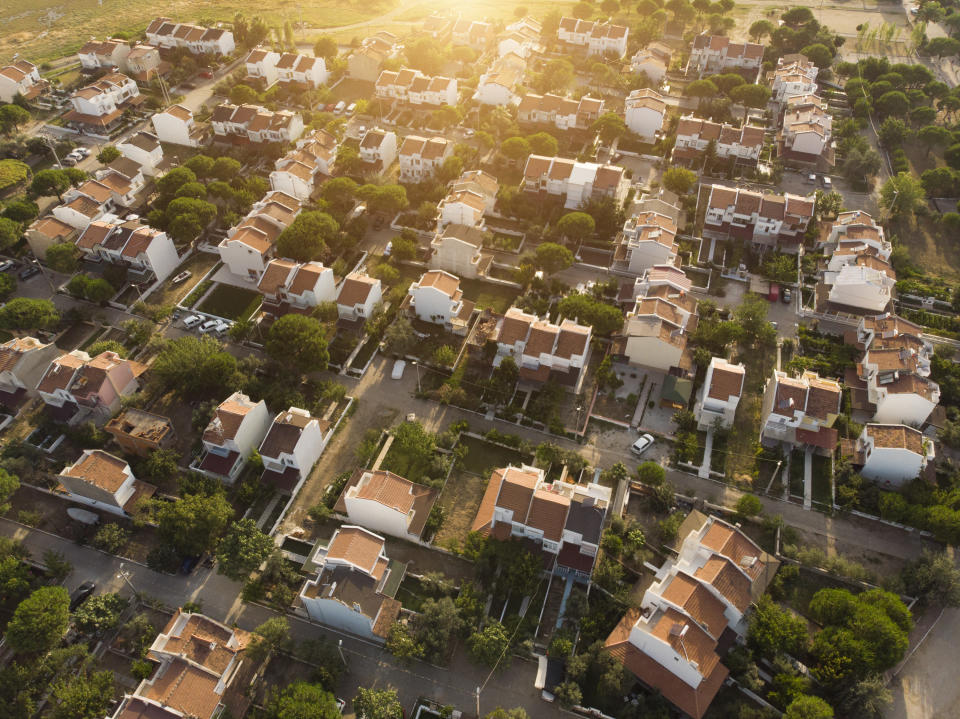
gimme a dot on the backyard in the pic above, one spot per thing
(198, 264)
(232, 303)
(488, 295)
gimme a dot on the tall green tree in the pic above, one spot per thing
(193, 524)
(39, 621)
(243, 548)
(301, 700)
(377, 704)
(298, 342)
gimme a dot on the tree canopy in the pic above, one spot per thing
(298, 342)
(39, 621)
(552, 258)
(377, 704)
(301, 700)
(193, 524)
(194, 367)
(587, 309)
(24, 313)
(243, 548)
(307, 236)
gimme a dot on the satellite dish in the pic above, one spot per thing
(83, 516)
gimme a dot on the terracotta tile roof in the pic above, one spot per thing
(443, 281)
(722, 197)
(388, 489)
(572, 340)
(182, 113)
(227, 419)
(895, 436)
(388, 614)
(135, 707)
(60, 373)
(723, 575)
(542, 339)
(52, 227)
(823, 399)
(515, 326)
(481, 523)
(100, 469)
(185, 688)
(516, 490)
(358, 547)
(355, 290)
(791, 396)
(306, 277)
(734, 545)
(697, 601)
(284, 434)
(275, 276)
(548, 513)
(726, 381)
(94, 235)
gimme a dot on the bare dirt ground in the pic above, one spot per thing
(460, 499)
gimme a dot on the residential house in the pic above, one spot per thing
(475, 33)
(543, 350)
(366, 62)
(139, 432)
(895, 376)
(386, 503)
(82, 205)
(762, 218)
(302, 70)
(177, 126)
(597, 38)
(76, 386)
(144, 63)
(21, 78)
(671, 643)
(109, 54)
(46, 232)
(720, 394)
(99, 107)
(717, 54)
(293, 444)
(471, 196)
(857, 278)
(420, 157)
(249, 246)
(653, 61)
(203, 672)
(142, 249)
(289, 286)
(892, 453)
(102, 481)
(645, 112)
(297, 172)
(437, 298)
(359, 295)
(458, 249)
(378, 148)
(561, 112)
(657, 329)
(125, 179)
(144, 149)
(355, 585)
(794, 75)
(577, 182)
(806, 133)
(23, 361)
(413, 87)
(854, 229)
(649, 283)
(662, 201)
(261, 66)
(237, 428)
(800, 411)
(561, 519)
(694, 137)
(521, 38)
(647, 239)
(253, 123)
(167, 34)
(499, 84)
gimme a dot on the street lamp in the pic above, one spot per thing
(417, 365)
(340, 649)
(125, 576)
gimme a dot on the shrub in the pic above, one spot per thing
(111, 538)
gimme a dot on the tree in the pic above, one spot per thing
(307, 236)
(515, 149)
(809, 707)
(9, 232)
(773, 630)
(445, 356)
(943, 46)
(749, 505)
(23, 313)
(568, 694)
(301, 700)
(108, 154)
(750, 96)
(587, 309)
(399, 337)
(110, 538)
(171, 182)
(726, 82)
(902, 194)
(575, 226)
(194, 367)
(21, 210)
(819, 54)
(488, 646)
(298, 342)
(679, 180)
(192, 525)
(780, 268)
(272, 635)
(552, 258)
(504, 379)
(934, 136)
(893, 103)
(433, 626)
(760, 29)
(384, 199)
(241, 94)
(99, 613)
(701, 89)
(11, 117)
(893, 132)
(243, 549)
(377, 704)
(556, 76)
(867, 699)
(62, 257)
(933, 579)
(326, 47)
(609, 126)
(83, 696)
(226, 168)
(583, 10)
(651, 473)
(50, 182)
(400, 640)
(39, 621)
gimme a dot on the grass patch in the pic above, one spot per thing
(482, 456)
(198, 292)
(796, 473)
(232, 303)
(460, 500)
(821, 489)
(351, 90)
(488, 295)
(408, 466)
(365, 353)
(199, 264)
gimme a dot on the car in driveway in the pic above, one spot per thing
(642, 445)
(209, 326)
(398, 368)
(29, 271)
(787, 296)
(7, 265)
(192, 321)
(81, 594)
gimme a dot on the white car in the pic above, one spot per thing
(192, 321)
(182, 277)
(642, 444)
(209, 326)
(6, 265)
(398, 368)
(222, 326)
(83, 151)
(351, 107)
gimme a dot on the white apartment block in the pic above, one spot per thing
(248, 247)
(644, 113)
(653, 61)
(715, 53)
(142, 249)
(297, 172)
(561, 112)
(177, 126)
(253, 123)
(720, 394)
(595, 37)
(289, 286)
(578, 182)
(762, 218)
(457, 248)
(795, 75)
(167, 34)
(414, 87)
(648, 239)
(800, 411)
(21, 78)
(742, 144)
(499, 84)
(100, 106)
(543, 350)
(893, 454)
(237, 428)
(437, 298)
(656, 330)
(421, 157)
(379, 148)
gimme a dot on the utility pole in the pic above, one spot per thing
(478, 702)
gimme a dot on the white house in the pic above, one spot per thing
(892, 453)
(296, 172)
(379, 147)
(165, 33)
(99, 107)
(897, 382)
(84, 204)
(806, 132)
(479, 183)
(292, 446)
(104, 55)
(248, 247)
(289, 286)
(359, 295)
(656, 329)
(763, 218)
(437, 298)
(262, 65)
(140, 248)
(420, 157)
(564, 519)
(595, 37)
(177, 126)
(715, 53)
(144, 149)
(475, 33)
(578, 182)
(144, 62)
(237, 428)
(653, 61)
(256, 124)
(720, 394)
(304, 70)
(795, 75)
(854, 229)
(647, 239)
(23, 361)
(21, 78)
(104, 482)
(742, 144)
(457, 249)
(543, 350)
(76, 386)
(461, 208)
(414, 87)
(561, 112)
(800, 411)
(355, 585)
(498, 85)
(386, 503)
(521, 38)
(644, 114)
(866, 284)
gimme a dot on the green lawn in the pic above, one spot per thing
(232, 303)
(482, 456)
(488, 295)
(351, 90)
(821, 489)
(796, 473)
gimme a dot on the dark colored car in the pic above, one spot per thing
(27, 272)
(189, 564)
(81, 594)
(206, 75)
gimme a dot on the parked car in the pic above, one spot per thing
(812, 178)
(222, 326)
(192, 321)
(209, 326)
(182, 277)
(827, 182)
(69, 161)
(339, 107)
(786, 296)
(7, 265)
(388, 250)
(351, 107)
(206, 75)
(188, 86)
(398, 368)
(774, 294)
(81, 594)
(27, 272)
(642, 444)
(83, 151)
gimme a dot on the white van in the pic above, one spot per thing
(338, 109)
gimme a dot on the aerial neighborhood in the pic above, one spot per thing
(437, 361)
